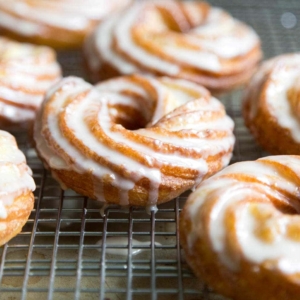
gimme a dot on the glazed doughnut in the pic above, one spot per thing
(188, 40)
(56, 23)
(132, 140)
(240, 229)
(16, 186)
(271, 105)
(26, 72)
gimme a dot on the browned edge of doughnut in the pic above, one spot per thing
(8, 124)
(68, 39)
(84, 184)
(217, 85)
(17, 215)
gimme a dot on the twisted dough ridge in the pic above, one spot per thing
(26, 72)
(132, 140)
(16, 186)
(240, 229)
(57, 23)
(271, 105)
(188, 40)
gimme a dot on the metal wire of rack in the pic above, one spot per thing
(67, 250)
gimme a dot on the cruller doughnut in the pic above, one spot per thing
(240, 229)
(132, 140)
(56, 23)
(180, 39)
(26, 72)
(16, 186)
(271, 105)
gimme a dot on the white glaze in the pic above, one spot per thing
(231, 194)
(9, 153)
(283, 78)
(16, 113)
(151, 208)
(203, 146)
(103, 207)
(283, 249)
(231, 46)
(217, 21)
(103, 51)
(15, 176)
(125, 42)
(206, 61)
(224, 36)
(25, 28)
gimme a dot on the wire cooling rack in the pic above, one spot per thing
(68, 250)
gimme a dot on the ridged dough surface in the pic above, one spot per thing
(56, 23)
(26, 72)
(189, 40)
(271, 107)
(241, 229)
(132, 140)
(16, 186)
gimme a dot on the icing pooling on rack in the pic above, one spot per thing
(26, 72)
(76, 103)
(130, 41)
(29, 19)
(262, 232)
(282, 74)
(15, 175)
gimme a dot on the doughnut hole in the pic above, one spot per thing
(132, 115)
(127, 116)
